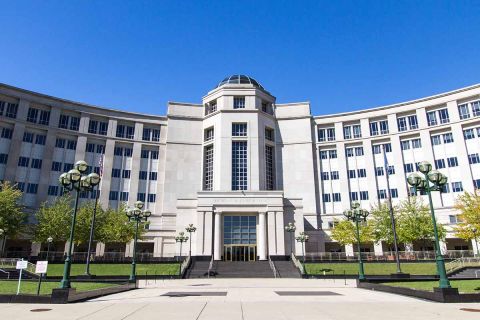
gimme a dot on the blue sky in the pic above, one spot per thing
(339, 55)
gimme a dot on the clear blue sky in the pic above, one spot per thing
(340, 55)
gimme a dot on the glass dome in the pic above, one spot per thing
(240, 79)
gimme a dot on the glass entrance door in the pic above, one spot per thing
(239, 253)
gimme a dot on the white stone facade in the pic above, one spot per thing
(241, 154)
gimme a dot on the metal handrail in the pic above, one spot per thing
(12, 263)
(210, 266)
(298, 264)
(8, 273)
(185, 265)
(272, 266)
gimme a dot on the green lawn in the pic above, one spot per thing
(465, 286)
(371, 268)
(30, 287)
(116, 269)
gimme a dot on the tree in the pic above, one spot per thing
(382, 223)
(415, 222)
(12, 217)
(84, 221)
(117, 227)
(344, 232)
(54, 220)
(469, 218)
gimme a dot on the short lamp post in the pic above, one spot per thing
(302, 237)
(432, 180)
(49, 242)
(290, 228)
(77, 180)
(475, 237)
(181, 238)
(137, 215)
(357, 215)
(191, 228)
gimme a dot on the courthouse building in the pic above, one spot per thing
(240, 165)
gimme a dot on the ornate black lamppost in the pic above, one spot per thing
(75, 179)
(181, 238)
(290, 228)
(136, 215)
(302, 237)
(49, 241)
(357, 215)
(190, 229)
(432, 180)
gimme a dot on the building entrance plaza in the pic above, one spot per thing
(247, 299)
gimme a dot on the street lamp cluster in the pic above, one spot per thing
(432, 180)
(137, 215)
(290, 228)
(75, 179)
(357, 215)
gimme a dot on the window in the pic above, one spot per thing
(323, 154)
(67, 166)
(92, 126)
(357, 132)
(40, 139)
(72, 145)
(153, 176)
(436, 140)
(127, 152)
(457, 187)
(2, 107)
(326, 197)
(36, 163)
(347, 132)
(384, 127)
(238, 102)
(394, 193)
(3, 158)
(353, 196)
(402, 124)
(405, 144)
(332, 154)
(74, 123)
(476, 108)
(118, 151)
(476, 183)
(90, 147)
(23, 161)
(439, 164)
(239, 165)
(448, 138)
(373, 128)
(32, 115)
(270, 167)
(210, 107)
(130, 132)
(387, 147)
(11, 111)
(267, 107)
(21, 186)
(391, 170)
(113, 195)
(382, 194)
(325, 176)
(413, 122)
(445, 188)
(326, 134)
(349, 152)
(443, 115)
(103, 128)
(359, 151)
(56, 166)
(100, 149)
(63, 122)
(468, 134)
(334, 175)
(141, 196)
(208, 134)
(463, 111)
(431, 118)
(116, 173)
(408, 167)
(416, 143)
(452, 219)
(120, 131)
(146, 136)
(352, 174)
(44, 117)
(144, 154)
(379, 171)
(156, 135)
(363, 195)
(377, 149)
(32, 188)
(60, 143)
(208, 168)
(154, 154)
(473, 158)
(269, 134)
(152, 197)
(28, 137)
(362, 173)
(239, 129)
(336, 197)
(452, 162)
(7, 133)
(52, 190)
(142, 175)
(126, 174)
(123, 196)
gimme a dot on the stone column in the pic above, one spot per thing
(262, 236)
(378, 249)
(272, 241)
(217, 255)
(349, 250)
(99, 249)
(158, 246)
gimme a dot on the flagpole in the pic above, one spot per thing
(390, 208)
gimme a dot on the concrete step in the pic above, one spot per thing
(286, 269)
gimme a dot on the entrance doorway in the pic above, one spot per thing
(240, 253)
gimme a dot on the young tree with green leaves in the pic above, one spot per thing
(468, 227)
(53, 220)
(344, 232)
(382, 223)
(13, 219)
(415, 222)
(117, 227)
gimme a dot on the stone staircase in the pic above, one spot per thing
(241, 269)
(10, 273)
(467, 272)
(286, 269)
(197, 269)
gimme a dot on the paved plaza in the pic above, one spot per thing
(246, 299)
